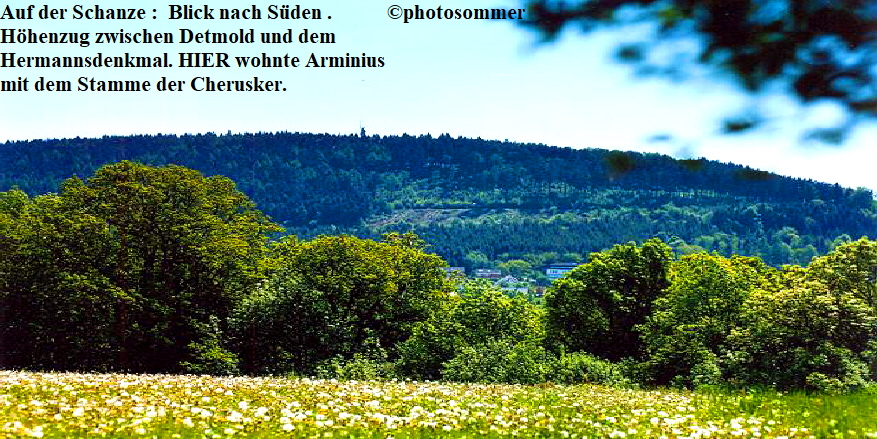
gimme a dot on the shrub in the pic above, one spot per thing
(500, 361)
(804, 336)
(580, 367)
(209, 357)
(682, 360)
(361, 367)
(478, 317)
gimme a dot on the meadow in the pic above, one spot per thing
(63, 405)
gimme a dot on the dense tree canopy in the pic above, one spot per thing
(687, 332)
(802, 336)
(850, 269)
(482, 203)
(160, 269)
(337, 296)
(141, 255)
(479, 316)
(598, 306)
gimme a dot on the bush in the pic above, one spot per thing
(431, 344)
(500, 361)
(263, 330)
(682, 360)
(580, 367)
(804, 337)
(208, 355)
(361, 367)
(211, 359)
(479, 317)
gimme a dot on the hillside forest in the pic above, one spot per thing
(485, 204)
(162, 269)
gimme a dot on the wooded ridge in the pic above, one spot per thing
(480, 203)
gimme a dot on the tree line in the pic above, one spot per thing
(161, 269)
(484, 203)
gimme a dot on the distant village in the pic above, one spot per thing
(513, 286)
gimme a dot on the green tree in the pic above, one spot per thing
(12, 202)
(56, 299)
(849, 268)
(516, 267)
(803, 336)
(338, 296)
(153, 252)
(686, 335)
(596, 307)
(479, 316)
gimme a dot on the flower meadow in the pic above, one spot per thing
(190, 406)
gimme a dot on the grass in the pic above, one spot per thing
(145, 406)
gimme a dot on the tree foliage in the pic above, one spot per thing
(141, 255)
(803, 336)
(738, 321)
(160, 269)
(479, 317)
(850, 268)
(686, 334)
(481, 203)
(597, 307)
(338, 296)
(820, 50)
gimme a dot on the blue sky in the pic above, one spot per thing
(467, 78)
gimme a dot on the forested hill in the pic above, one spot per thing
(479, 202)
